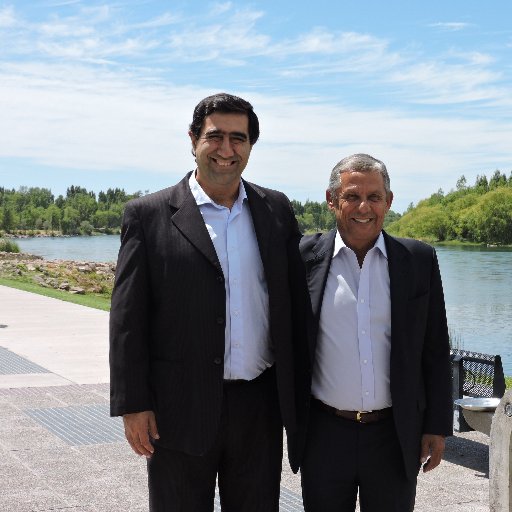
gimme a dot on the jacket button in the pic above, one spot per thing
(220, 320)
(220, 279)
(217, 360)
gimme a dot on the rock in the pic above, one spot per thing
(77, 290)
(64, 286)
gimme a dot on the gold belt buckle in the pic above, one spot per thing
(359, 418)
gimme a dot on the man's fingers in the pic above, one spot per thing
(153, 431)
(432, 449)
(137, 427)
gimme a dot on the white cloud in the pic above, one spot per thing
(7, 17)
(451, 26)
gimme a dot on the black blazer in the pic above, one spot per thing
(168, 312)
(420, 362)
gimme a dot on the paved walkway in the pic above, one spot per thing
(59, 450)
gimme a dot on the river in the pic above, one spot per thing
(477, 283)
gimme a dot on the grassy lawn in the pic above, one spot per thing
(90, 300)
(508, 382)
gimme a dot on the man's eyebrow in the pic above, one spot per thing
(215, 131)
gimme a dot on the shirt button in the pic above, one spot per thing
(363, 332)
(365, 361)
(366, 393)
(217, 360)
(362, 301)
(220, 320)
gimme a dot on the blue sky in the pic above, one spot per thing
(100, 94)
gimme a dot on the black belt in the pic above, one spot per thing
(359, 416)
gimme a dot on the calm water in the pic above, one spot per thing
(477, 284)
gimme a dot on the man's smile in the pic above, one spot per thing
(224, 163)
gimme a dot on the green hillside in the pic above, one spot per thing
(479, 214)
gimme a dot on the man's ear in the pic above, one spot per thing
(193, 139)
(389, 200)
(330, 199)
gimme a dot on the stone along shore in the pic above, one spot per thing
(78, 277)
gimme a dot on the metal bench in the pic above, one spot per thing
(474, 375)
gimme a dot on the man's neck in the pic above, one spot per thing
(224, 195)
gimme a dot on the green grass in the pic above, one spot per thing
(8, 246)
(508, 382)
(90, 300)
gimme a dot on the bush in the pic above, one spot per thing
(8, 246)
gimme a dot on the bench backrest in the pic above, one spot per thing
(474, 375)
(482, 374)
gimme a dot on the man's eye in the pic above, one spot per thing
(213, 137)
(374, 199)
(236, 139)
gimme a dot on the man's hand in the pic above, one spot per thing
(432, 448)
(138, 427)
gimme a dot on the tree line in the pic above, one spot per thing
(78, 212)
(481, 213)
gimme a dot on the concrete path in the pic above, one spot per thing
(59, 450)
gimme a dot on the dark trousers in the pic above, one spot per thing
(343, 456)
(246, 457)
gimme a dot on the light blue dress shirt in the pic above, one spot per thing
(247, 348)
(353, 351)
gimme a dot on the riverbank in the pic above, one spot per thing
(66, 277)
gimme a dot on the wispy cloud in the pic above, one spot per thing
(7, 17)
(453, 26)
(227, 37)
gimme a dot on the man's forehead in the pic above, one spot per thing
(226, 122)
(355, 179)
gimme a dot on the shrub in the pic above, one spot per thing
(8, 246)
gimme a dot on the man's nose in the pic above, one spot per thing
(226, 147)
(364, 205)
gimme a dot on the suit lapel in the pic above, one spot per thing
(399, 265)
(317, 265)
(262, 219)
(188, 220)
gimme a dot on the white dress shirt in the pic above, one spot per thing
(247, 348)
(351, 371)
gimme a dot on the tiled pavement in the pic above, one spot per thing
(60, 451)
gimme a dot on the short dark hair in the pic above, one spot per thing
(226, 104)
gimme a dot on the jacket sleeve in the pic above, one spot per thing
(129, 321)
(436, 361)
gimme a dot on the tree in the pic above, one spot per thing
(70, 221)
(7, 219)
(497, 180)
(461, 183)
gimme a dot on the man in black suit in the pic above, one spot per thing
(380, 392)
(201, 349)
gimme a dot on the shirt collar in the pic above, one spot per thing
(340, 245)
(202, 197)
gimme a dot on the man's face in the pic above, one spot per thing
(360, 205)
(222, 150)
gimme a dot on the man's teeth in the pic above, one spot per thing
(223, 164)
(363, 221)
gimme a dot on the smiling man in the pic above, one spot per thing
(380, 391)
(201, 349)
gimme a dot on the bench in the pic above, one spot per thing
(474, 375)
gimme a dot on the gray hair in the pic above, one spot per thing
(359, 162)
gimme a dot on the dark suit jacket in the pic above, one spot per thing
(420, 365)
(168, 312)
